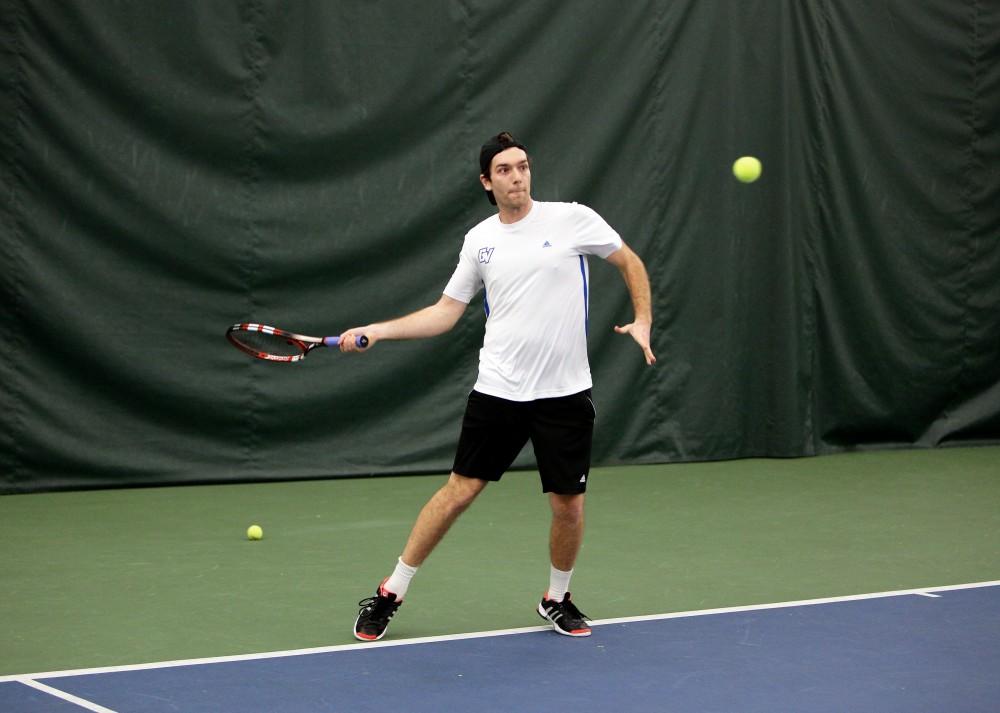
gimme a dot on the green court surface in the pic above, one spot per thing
(101, 578)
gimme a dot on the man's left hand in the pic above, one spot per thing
(640, 333)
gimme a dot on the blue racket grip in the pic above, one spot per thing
(361, 341)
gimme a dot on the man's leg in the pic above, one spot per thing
(493, 433)
(566, 532)
(565, 537)
(438, 515)
(562, 432)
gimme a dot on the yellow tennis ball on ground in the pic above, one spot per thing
(254, 532)
(747, 169)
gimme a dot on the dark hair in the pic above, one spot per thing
(494, 145)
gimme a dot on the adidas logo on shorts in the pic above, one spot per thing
(583, 478)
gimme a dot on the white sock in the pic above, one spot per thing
(399, 580)
(558, 584)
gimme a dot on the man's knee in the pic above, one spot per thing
(461, 490)
(567, 507)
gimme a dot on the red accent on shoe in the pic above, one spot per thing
(385, 592)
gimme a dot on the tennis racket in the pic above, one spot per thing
(273, 344)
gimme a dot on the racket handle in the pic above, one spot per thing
(361, 341)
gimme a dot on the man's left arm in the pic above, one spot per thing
(637, 281)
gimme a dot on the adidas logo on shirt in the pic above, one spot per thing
(547, 244)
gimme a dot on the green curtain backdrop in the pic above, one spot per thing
(172, 168)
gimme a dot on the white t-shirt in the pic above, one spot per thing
(536, 283)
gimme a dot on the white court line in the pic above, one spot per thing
(922, 591)
(82, 702)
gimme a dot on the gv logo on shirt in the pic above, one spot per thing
(485, 254)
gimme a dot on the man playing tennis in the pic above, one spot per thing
(534, 376)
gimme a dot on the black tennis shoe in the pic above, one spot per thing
(373, 619)
(565, 618)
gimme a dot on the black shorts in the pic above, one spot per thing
(561, 430)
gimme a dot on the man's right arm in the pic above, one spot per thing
(427, 322)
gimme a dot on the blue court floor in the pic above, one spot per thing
(928, 651)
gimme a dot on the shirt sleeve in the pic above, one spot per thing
(465, 282)
(593, 235)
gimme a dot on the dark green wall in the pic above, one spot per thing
(172, 168)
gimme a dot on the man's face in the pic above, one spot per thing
(509, 179)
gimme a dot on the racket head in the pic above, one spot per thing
(270, 343)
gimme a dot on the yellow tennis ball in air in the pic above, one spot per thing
(746, 169)
(254, 532)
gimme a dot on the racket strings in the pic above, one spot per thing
(269, 343)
